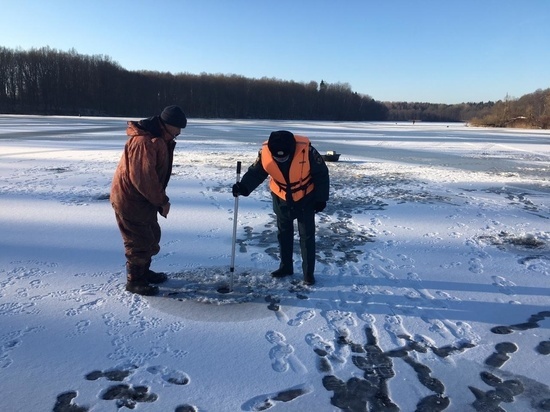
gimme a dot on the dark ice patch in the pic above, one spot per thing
(116, 375)
(543, 347)
(65, 403)
(128, 396)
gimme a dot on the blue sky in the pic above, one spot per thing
(434, 51)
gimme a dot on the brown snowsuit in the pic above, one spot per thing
(138, 191)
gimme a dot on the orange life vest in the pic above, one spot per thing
(300, 181)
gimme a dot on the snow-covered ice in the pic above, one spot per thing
(433, 274)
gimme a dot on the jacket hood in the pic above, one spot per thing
(150, 126)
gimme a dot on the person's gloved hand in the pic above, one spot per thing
(319, 206)
(239, 190)
(164, 210)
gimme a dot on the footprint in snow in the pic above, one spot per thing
(12, 340)
(406, 258)
(447, 296)
(503, 285)
(264, 402)
(437, 326)
(282, 354)
(475, 266)
(367, 318)
(462, 331)
(302, 317)
(339, 321)
(394, 325)
(412, 276)
(274, 305)
(326, 352)
(81, 328)
(348, 300)
(413, 294)
(172, 376)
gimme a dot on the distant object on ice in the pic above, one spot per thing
(331, 156)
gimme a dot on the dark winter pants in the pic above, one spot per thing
(141, 243)
(304, 213)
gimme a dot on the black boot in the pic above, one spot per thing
(309, 280)
(282, 272)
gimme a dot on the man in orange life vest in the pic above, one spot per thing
(299, 183)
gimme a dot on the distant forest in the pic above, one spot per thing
(50, 82)
(531, 111)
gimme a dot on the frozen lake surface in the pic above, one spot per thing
(433, 274)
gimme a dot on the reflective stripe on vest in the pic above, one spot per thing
(300, 183)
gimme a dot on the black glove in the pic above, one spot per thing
(239, 190)
(319, 206)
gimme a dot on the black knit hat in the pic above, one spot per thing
(174, 116)
(281, 143)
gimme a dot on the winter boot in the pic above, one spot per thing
(137, 282)
(155, 277)
(309, 280)
(282, 272)
(141, 287)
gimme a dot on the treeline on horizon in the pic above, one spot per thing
(46, 81)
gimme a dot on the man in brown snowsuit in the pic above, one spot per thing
(138, 193)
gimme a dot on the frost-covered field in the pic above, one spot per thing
(433, 275)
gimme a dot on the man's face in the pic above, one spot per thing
(174, 131)
(281, 159)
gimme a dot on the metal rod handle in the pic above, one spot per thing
(235, 212)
